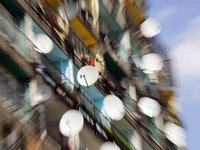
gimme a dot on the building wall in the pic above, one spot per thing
(10, 88)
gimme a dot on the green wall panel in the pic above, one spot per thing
(114, 69)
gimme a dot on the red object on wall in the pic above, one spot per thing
(91, 62)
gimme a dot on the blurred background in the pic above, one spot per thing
(99, 74)
(180, 35)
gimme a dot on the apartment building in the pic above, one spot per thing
(63, 55)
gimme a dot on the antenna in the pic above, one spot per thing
(87, 75)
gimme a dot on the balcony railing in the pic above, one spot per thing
(79, 47)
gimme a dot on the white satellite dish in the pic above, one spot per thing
(150, 27)
(71, 123)
(43, 43)
(175, 134)
(149, 107)
(114, 107)
(109, 146)
(151, 62)
(87, 75)
(43, 93)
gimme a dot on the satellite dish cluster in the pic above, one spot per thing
(114, 107)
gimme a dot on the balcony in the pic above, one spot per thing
(80, 21)
(110, 16)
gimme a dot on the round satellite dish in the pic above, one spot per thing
(175, 134)
(109, 146)
(151, 62)
(43, 43)
(149, 107)
(114, 107)
(87, 75)
(43, 93)
(71, 123)
(150, 27)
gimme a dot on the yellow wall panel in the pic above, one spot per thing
(81, 30)
(134, 11)
(53, 3)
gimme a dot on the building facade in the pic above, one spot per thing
(43, 45)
